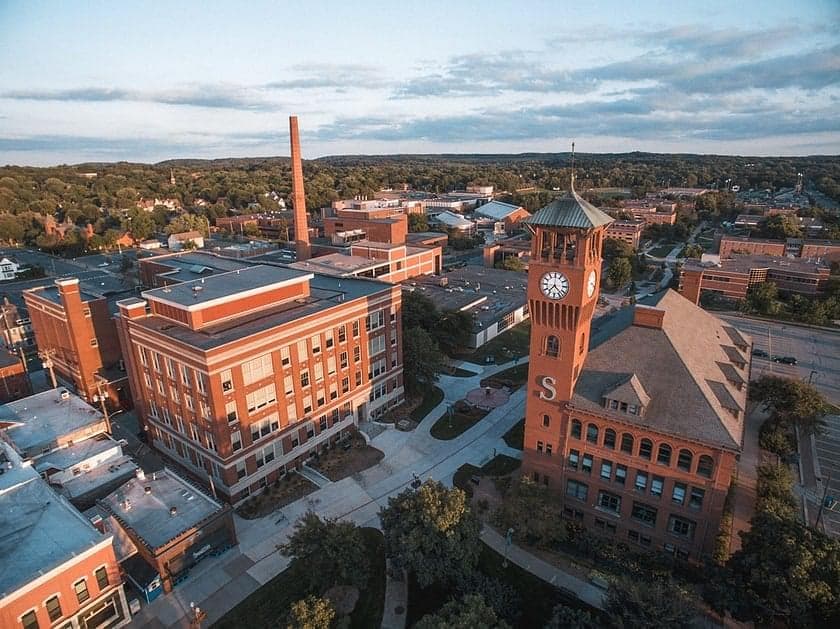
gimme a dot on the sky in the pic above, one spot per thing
(148, 81)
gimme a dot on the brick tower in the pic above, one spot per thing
(564, 277)
(302, 246)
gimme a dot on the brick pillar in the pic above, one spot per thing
(690, 280)
(298, 195)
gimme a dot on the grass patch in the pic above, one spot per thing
(281, 492)
(515, 437)
(661, 251)
(538, 598)
(460, 373)
(508, 345)
(446, 428)
(500, 465)
(512, 378)
(269, 605)
(431, 398)
(338, 462)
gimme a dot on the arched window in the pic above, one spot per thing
(546, 421)
(552, 346)
(705, 466)
(646, 449)
(592, 433)
(576, 429)
(627, 443)
(664, 455)
(684, 460)
(609, 438)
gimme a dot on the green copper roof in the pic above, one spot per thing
(570, 210)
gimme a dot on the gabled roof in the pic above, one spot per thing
(678, 366)
(630, 391)
(497, 209)
(570, 210)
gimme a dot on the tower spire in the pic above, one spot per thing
(572, 185)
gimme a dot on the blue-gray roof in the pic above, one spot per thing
(570, 210)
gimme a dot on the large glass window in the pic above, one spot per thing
(552, 346)
(576, 489)
(81, 589)
(678, 495)
(609, 502)
(646, 449)
(664, 455)
(681, 526)
(627, 443)
(705, 466)
(609, 438)
(576, 429)
(592, 433)
(644, 514)
(53, 606)
(684, 460)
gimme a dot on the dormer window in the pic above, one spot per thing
(628, 397)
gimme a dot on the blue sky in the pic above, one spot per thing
(155, 80)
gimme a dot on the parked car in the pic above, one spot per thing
(787, 360)
(760, 353)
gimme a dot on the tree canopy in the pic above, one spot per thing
(791, 402)
(311, 613)
(471, 612)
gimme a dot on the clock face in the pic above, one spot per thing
(554, 285)
(590, 284)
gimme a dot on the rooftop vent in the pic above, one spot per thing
(64, 394)
(147, 490)
(140, 474)
(173, 511)
(126, 505)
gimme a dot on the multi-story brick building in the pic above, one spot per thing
(75, 332)
(245, 374)
(58, 570)
(14, 381)
(651, 212)
(381, 260)
(382, 224)
(638, 426)
(826, 250)
(733, 277)
(626, 231)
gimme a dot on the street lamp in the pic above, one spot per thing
(508, 543)
(196, 616)
(811, 375)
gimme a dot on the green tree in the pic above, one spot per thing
(332, 551)
(763, 298)
(418, 311)
(188, 223)
(535, 516)
(140, 224)
(311, 613)
(614, 248)
(12, 228)
(781, 227)
(422, 360)
(432, 532)
(418, 223)
(471, 612)
(510, 263)
(620, 272)
(656, 604)
(452, 330)
(563, 617)
(791, 402)
(693, 251)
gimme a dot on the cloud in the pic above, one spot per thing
(208, 96)
(331, 76)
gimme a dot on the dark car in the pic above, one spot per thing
(760, 353)
(786, 360)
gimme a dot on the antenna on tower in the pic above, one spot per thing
(573, 168)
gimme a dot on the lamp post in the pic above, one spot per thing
(197, 615)
(811, 375)
(508, 542)
(101, 397)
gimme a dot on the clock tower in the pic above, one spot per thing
(564, 277)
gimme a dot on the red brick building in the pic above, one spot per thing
(381, 224)
(74, 330)
(626, 231)
(58, 570)
(636, 425)
(241, 376)
(14, 382)
(825, 250)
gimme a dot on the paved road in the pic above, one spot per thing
(817, 352)
(828, 454)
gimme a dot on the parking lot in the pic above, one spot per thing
(828, 455)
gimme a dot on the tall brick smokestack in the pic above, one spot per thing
(302, 246)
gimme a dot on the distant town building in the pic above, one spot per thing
(626, 231)
(9, 269)
(451, 221)
(179, 241)
(652, 212)
(16, 325)
(380, 224)
(825, 250)
(506, 213)
(14, 381)
(379, 260)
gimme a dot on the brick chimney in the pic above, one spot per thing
(648, 316)
(302, 246)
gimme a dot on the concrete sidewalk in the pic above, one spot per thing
(745, 484)
(586, 592)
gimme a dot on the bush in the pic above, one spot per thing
(724, 536)
(774, 494)
(501, 596)
(774, 438)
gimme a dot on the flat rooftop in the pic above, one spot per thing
(338, 264)
(195, 264)
(39, 530)
(44, 417)
(65, 458)
(746, 263)
(149, 515)
(325, 292)
(229, 284)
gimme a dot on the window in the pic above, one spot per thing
(376, 345)
(656, 485)
(592, 433)
(357, 354)
(678, 495)
(586, 466)
(620, 474)
(29, 620)
(261, 398)
(546, 421)
(304, 378)
(606, 470)
(663, 457)
(81, 589)
(265, 426)
(257, 369)
(170, 368)
(577, 490)
(227, 382)
(609, 502)
(342, 334)
(644, 514)
(94, 343)
(343, 359)
(548, 449)
(156, 361)
(101, 575)
(319, 372)
(552, 346)
(185, 376)
(358, 378)
(235, 440)
(331, 365)
(375, 320)
(316, 344)
(609, 438)
(53, 606)
(539, 446)
(574, 459)
(328, 337)
(646, 449)
(705, 465)
(641, 481)
(695, 499)
(322, 423)
(345, 385)
(627, 443)
(684, 460)
(680, 526)
(285, 357)
(355, 329)
(240, 470)
(576, 429)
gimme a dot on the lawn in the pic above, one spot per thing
(661, 251)
(340, 463)
(269, 605)
(281, 492)
(415, 407)
(538, 598)
(512, 378)
(508, 345)
(515, 437)
(446, 428)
